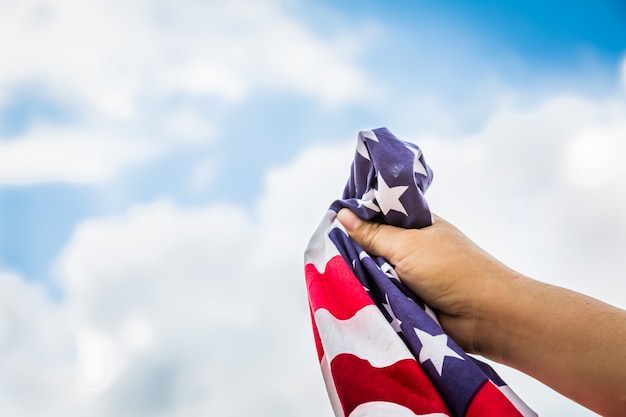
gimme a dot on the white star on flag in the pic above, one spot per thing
(417, 164)
(389, 197)
(435, 349)
(368, 134)
(389, 271)
(395, 322)
(368, 201)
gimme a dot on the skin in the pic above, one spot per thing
(571, 342)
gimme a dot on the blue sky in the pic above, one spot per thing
(115, 116)
(441, 49)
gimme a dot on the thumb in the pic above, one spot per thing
(377, 239)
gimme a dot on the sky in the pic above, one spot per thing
(163, 165)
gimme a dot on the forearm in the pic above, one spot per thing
(572, 343)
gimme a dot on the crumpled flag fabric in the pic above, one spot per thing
(381, 349)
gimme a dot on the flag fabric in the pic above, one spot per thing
(381, 349)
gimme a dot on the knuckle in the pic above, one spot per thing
(370, 233)
(370, 236)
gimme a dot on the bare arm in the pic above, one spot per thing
(571, 342)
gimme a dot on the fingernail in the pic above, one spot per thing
(348, 219)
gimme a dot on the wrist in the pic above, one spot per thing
(498, 314)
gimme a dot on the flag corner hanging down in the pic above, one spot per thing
(381, 350)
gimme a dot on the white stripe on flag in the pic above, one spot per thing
(321, 249)
(330, 388)
(517, 401)
(385, 409)
(366, 335)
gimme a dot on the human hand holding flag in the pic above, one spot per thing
(454, 276)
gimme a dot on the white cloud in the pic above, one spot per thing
(180, 311)
(114, 54)
(65, 155)
(207, 295)
(146, 65)
(205, 298)
(523, 171)
(595, 156)
(297, 195)
(94, 359)
(33, 342)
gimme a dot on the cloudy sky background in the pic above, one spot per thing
(163, 164)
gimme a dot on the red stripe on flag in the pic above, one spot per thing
(489, 401)
(337, 289)
(402, 383)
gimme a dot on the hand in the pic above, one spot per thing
(442, 266)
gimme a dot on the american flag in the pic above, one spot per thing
(381, 349)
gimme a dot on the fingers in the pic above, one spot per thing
(375, 238)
